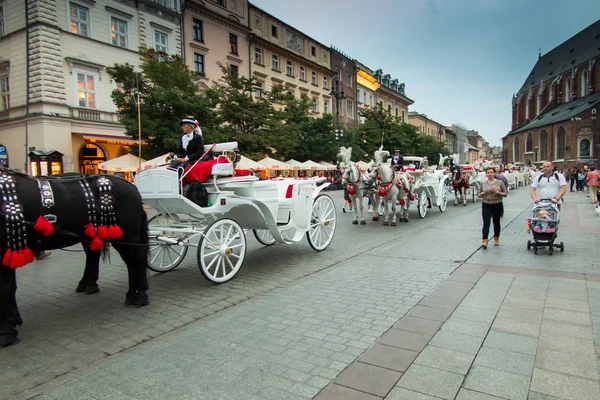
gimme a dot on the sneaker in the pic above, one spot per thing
(344, 210)
(352, 210)
(43, 255)
(370, 209)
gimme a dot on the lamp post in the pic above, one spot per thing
(338, 95)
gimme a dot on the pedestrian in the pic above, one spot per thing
(491, 193)
(592, 178)
(580, 180)
(549, 185)
(572, 177)
(347, 201)
(42, 254)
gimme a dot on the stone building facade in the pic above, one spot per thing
(427, 126)
(280, 55)
(345, 74)
(55, 89)
(392, 97)
(366, 88)
(554, 114)
(216, 32)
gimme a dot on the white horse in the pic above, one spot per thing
(392, 188)
(358, 185)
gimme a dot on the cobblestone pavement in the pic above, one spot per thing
(289, 323)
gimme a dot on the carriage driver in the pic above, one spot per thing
(191, 145)
(397, 161)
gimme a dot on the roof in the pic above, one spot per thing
(578, 49)
(563, 112)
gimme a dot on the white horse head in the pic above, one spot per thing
(442, 160)
(381, 154)
(455, 158)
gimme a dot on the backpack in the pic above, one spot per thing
(197, 193)
(542, 175)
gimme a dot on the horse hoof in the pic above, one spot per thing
(363, 222)
(375, 218)
(385, 223)
(141, 300)
(455, 204)
(80, 287)
(8, 337)
(129, 300)
(394, 224)
(355, 222)
(405, 220)
(91, 289)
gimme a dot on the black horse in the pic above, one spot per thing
(71, 204)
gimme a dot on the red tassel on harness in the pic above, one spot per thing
(96, 244)
(89, 231)
(103, 232)
(351, 189)
(402, 202)
(43, 226)
(115, 232)
(28, 255)
(412, 197)
(17, 260)
(7, 257)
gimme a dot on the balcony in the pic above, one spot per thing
(94, 115)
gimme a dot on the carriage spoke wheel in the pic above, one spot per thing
(322, 223)
(221, 250)
(444, 199)
(164, 257)
(264, 237)
(422, 205)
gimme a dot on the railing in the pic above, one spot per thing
(93, 115)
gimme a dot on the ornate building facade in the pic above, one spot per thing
(366, 88)
(392, 97)
(554, 114)
(56, 94)
(345, 74)
(216, 32)
(283, 56)
(427, 126)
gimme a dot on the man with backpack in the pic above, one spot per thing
(549, 185)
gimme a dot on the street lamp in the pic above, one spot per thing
(339, 95)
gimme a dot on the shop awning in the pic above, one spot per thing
(110, 139)
(126, 163)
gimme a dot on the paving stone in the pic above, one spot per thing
(419, 325)
(567, 344)
(563, 386)
(405, 339)
(337, 392)
(368, 378)
(474, 314)
(457, 341)
(520, 314)
(578, 295)
(541, 396)
(445, 359)
(474, 328)
(431, 381)
(440, 302)
(565, 304)
(516, 327)
(388, 357)
(430, 313)
(497, 383)
(399, 393)
(567, 316)
(507, 341)
(578, 365)
(466, 394)
(567, 329)
(518, 302)
(467, 278)
(505, 360)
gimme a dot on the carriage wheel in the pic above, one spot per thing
(535, 249)
(322, 223)
(264, 237)
(422, 205)
(164, 257)
(444, 199)
(529, 245)
(221, 250)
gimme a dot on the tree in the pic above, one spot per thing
(168, 91)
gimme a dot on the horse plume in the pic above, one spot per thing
(344, 155)
(380, 154)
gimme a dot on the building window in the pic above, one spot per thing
(80, 19)
(516, 150)
(233, 44)
(1, 21)
(221, 3)
(349, 108)
(86, 90)
(166, 3)
(198, 27)
(365, 98)
(543, 146)
(274, 31)
(118, 32)
(302, 73)
(371, 100)
(402, 115)
(315, 105)
(161, 42)
(259, 89)
(235, 70)
(314, 78)
(313, 51)
(4, 93)
(199, 64)
(584, 82)
(584, 148)
(290, 68)
(396, 112)
(526, 110)
(275, 62)
(258, 55)
(325, 82)
(349, 80)
(568, 90)
(529, 143)
(339, 75)
(560, 144)
(325, 107)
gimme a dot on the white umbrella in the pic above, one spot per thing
(246, 163)
(270, 163)
(155, 162)
(363, 165)
(313, 165)
(295, 165)
(327, 165)
(126, 163)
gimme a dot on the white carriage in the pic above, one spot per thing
(283, 210)
(475, 179)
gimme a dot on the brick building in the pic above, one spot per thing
(554, 114)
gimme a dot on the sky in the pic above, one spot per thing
(461, 60)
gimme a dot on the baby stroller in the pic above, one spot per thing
(543, 225)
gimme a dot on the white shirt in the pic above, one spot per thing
(548, 187)
(185, 140)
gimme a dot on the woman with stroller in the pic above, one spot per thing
(491, 192)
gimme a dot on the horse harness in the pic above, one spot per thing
(102, 224)
(351, 187)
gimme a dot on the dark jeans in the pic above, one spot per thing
(572, 182)
(491, 212)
